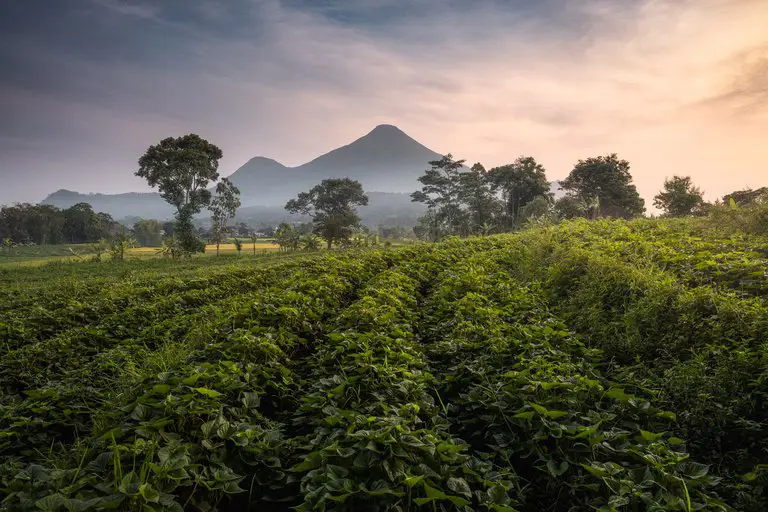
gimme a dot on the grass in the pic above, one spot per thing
(44, 254)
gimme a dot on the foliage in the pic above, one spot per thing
(331, 204)
(45, 224)
(223, 207)
(442, 192)
(748, 197)
(679, 197)
(520, 183)
(607, 180)
(586, 366)
(750, 218)
(119, 245)
(181, 168)
(475, 191)
(287, 237)
(148, 233)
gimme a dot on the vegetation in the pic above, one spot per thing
(604, 365)
(331, 205)
(182, 168)
(42, 224)
(603, 184)
(679, 198)
(520, 183)
(223, 207)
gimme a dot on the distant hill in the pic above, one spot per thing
(386, 161)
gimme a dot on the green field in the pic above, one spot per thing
(589, 366)
(36, 255)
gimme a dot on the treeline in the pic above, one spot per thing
(471, 201)
(45, 224)
(466, 201)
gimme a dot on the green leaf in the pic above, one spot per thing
(556, 469)
(649, 437)
(161, 389)
(410, 481)
(52, 502)
(212, 393)
(148, 493)
(459, 486)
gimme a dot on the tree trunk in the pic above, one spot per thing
(217, 247)
(329, 244)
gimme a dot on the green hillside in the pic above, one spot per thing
(607, 365)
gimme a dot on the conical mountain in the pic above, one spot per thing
(384, 160)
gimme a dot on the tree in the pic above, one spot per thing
(442, 193)
(519, 183)
(181, 168)
(605, 180)
(331, 204)
(148, 233)
(168, 228)
(79, 223)
(747, 197)
(476, 193)
(287, 237)
(429, 227)
(310, 242)
(571, 206)
(223, 207)
(539, 207)
(679, 197)
(46, 224)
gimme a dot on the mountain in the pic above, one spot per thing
(384, 160)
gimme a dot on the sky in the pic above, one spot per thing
(677, 87)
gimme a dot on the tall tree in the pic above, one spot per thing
(223, 207)
(331, 204)
(519, 183)
(476, 193)
(605, 180)
(679, 198)
(443, 195)
(181, 168)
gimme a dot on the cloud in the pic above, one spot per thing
(486, 80)
(128, 8)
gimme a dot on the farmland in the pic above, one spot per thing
(603, 365)
(36, 255)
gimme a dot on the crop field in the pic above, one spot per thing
(589, 366)
(41, 255)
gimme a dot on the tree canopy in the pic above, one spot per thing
(679, 198)
(748, 196)
(605, 181)
(223, 207)
(443, 193)
(331, 204)
(46, 224)
(519, 183)
(182, 168)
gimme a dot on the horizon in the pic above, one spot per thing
(675, 88)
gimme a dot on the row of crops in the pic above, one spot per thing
(605, 366)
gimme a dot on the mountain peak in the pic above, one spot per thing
(384, 128)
